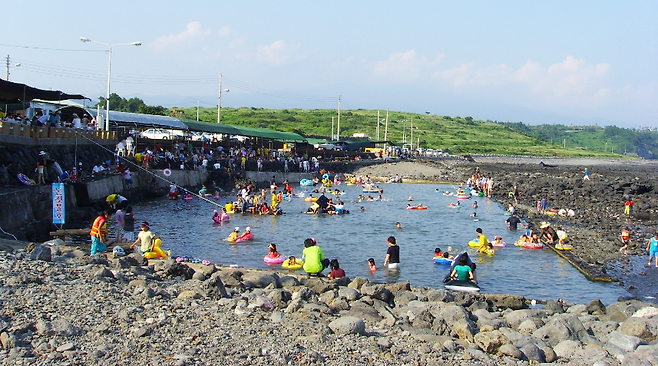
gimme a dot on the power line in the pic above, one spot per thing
(51, 49)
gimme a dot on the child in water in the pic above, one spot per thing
(438, 253)
(371, 264)
(273, 253)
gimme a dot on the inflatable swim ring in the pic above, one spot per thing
(310, 199)
(280, 259)
(305, 182)
(441, 260)
(417, 207)
(298, 264)
(188, 198)
(167, 172)
(244, 238)
(487, 251)
(502, 244)
(565, 247)
(465, 286)
(157, 252)
(25, 180)
(325, 176)
(534, 245)
(473, 243)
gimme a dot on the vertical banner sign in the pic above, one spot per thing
(58, 204)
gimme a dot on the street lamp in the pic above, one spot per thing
(219, 100)
(109, 72)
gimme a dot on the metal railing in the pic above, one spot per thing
(19, 129)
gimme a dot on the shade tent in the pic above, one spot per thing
(17, 93)
(243, 131)
(139, 120)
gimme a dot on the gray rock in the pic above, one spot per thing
(602, 329)
(277, 317)
(399, 286)
(533, 353)
(567, 348)
(490, 342)
(348, 325)
(577, 309)
(230, 278)
(364, 312)
(260, 279)
(175, 269)
(646, 312)
(304, 293)
(289, 282)
(384, 342)
(280, 297)
(627, 343)
(376, 292)
(3, 325)
(349, 294)
(530, 325)
(515, 318)
(553, 307)
(63, 327)
(646, 329)
(403, 297)
(42, 253)
(214, 287)
(465, 329)
(339, 304)
(125, 262)
(320, 286)
(622, 310)
(510, 351)
(8, 340)
(142, 332)
(104, 273)
(561, 327)
(189, 294)
(199, 276)
(505, 301)
(66, 347)
(357, 283)
(596, 307)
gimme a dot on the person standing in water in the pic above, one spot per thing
(392, 254)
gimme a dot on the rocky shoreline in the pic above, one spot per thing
(598, 204)
(62, 306)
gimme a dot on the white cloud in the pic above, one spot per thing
(405, 66)
(278, 52)
(193, 31)
(225, 31)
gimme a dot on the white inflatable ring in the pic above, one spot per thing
(166, 172)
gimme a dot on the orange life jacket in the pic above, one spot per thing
(99, 227)
(625, 234)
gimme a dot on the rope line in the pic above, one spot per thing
(146, 170)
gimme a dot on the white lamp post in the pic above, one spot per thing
(109, 72)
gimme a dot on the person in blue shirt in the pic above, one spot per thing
(652, 248)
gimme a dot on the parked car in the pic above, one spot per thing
(159, 134)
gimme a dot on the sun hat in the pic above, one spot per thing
(236, 228)
(248, 228)
(544, 225)
(497, 237)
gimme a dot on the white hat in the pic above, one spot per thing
(248, 228)
(544, 225)
(236, 229)
(42, 152)
(75, 114)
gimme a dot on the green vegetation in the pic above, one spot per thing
(456, 135)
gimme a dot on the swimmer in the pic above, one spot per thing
(410, 199)
(475, 204)
(438, 253)
(234, 235)
(273, 253)
(398, 225)
(202, 191)
(371, 264)
(363, 209)
(474, 214)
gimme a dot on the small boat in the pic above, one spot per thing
(464, 286)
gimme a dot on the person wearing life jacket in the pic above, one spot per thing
(625, 240)
(98, 233)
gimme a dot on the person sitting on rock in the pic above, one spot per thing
(548, 234)
(336, 271)
(313, 257)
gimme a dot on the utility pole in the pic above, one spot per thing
(219, 100)
(332, 128)
(411, 147)
(386, 127)
(338, 126)
(197, 111)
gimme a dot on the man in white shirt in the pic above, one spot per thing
(77, 123)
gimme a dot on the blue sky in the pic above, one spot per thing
(568, 62)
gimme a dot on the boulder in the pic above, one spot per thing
(175, 269)
(231, 278)
(504, 301)
(510, 351)
(553, 307)
(596, 307)
(214, 287)
(602, 329)
(189, 294)
(399, 286)
(646, 329)
(621, 310)
(280, 297)
(490, 342)
(533, 353)
(561, 327)
(625, 342)
(364, 312)
(304, 293)
(199, 276)
(289, 282)
(349, 294)
(376, 292)
(357, 283)
(647, 312)
(464, 329)
(348, 325)
(104, 273)
(260, 279)
(320, 286)
(515, 318)
(125, 262)
(566, 349)
(42, 253)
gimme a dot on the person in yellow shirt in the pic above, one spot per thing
(234, 235)
(484, 243)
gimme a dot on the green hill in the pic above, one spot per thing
(457, 135)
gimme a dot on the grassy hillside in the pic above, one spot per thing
(457, 135)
